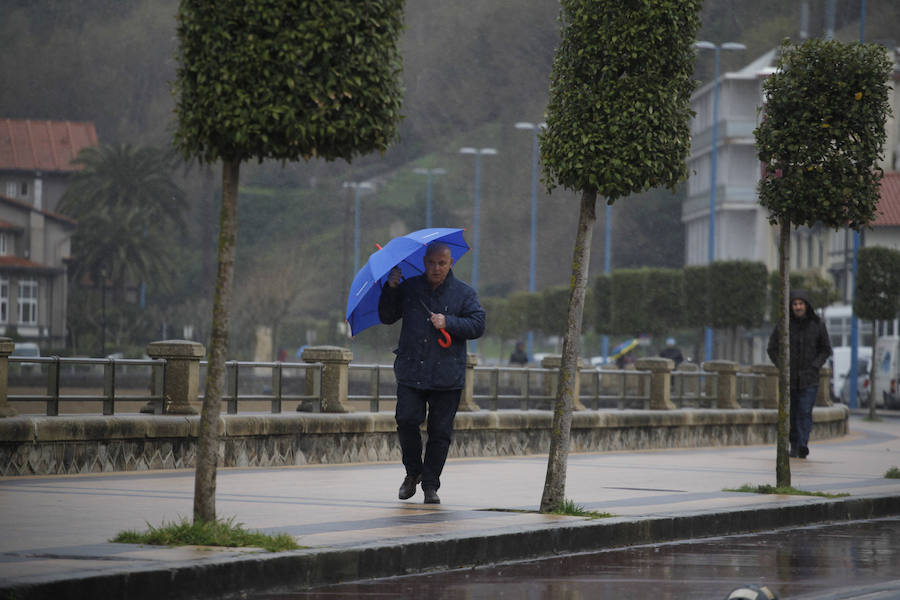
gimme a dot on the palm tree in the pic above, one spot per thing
(126, 204)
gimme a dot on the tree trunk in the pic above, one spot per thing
(208, 442)
(782, 460)
(555, 481)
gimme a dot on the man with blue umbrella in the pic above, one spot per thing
(440, 313)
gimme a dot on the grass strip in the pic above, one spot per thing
(222, 532)
(569, 508)
(892, 473)
(785, 491)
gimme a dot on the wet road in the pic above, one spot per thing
(848, 561)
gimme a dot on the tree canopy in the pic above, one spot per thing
(877, 284)
(287, 79)
(822, 133)
(619, 109)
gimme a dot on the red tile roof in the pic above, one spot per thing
(26, 206)
(17, 262)
(888, 211)
(43, 145)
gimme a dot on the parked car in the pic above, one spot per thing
(28, 350)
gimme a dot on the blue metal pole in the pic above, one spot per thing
(475, 223)
(356, 230)
(533, 250)
(853, 375)
(712, 184)
(428, 199)
(607, 262)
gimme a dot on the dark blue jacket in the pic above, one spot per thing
(421, 362)
(809, 342)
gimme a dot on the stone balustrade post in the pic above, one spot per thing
(6, 348)
(823, 397)
(554, 362)
(182, 380)
(726, 388)
(660, 381)
(335, 375)
(467, 400)
(769, 385)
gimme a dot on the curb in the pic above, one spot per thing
(237, 576)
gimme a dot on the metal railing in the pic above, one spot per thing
(370, 378)
(274, 387)
(55, 368)
(694, 389)
(244, 383)
(497, 388)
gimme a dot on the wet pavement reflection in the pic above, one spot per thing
(852, 560)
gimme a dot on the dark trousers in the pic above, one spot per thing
(802, 402)
(411, 409)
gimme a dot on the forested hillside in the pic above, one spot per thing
(472, 69)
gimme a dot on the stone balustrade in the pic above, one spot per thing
(77, 444)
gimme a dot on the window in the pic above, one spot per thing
(11, 189)
(28, 302)
(4, 244)
(4, 300)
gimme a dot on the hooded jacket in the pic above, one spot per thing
(421, 362)
(810, 345)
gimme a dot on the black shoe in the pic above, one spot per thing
(431, 496)
(803, 452)
(408, 488)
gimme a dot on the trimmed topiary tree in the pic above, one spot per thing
(877, 295)
(283, 80)
(617, 124)
(820, 140)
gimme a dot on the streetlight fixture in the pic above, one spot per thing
(357, 186)
(714, 159)
(428, 173)
(535, 129)
(478, 152)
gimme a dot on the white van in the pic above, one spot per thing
(887, 365)
(840, 368)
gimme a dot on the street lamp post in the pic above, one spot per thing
(478, 152)
(534, 180)
(714, 159)
(428, 173)
(357, 186)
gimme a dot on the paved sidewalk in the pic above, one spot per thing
(55, 528)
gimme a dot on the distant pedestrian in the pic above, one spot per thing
(672, 352)
(518, 356)
(809, 349)
(430, 372)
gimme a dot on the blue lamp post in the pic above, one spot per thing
(714, 159)
(853, 376)
(534, 180)
(428, 173)
(357, 186)
(478, 152)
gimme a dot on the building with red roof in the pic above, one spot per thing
(35, 170)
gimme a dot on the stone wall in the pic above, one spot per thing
(91, 444)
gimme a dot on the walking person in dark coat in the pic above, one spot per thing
(430, 376)
(810, 347)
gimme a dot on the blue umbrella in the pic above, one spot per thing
(406, 252)
(623, 348)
